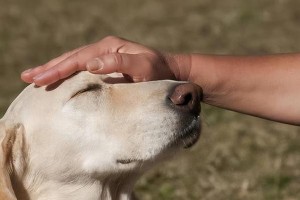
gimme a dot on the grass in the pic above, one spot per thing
(238, 157)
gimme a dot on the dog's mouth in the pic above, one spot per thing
(190, 135)
(128, 161)
(187, 137)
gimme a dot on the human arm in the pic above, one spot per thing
(262, 86)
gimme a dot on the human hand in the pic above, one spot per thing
(111, 54)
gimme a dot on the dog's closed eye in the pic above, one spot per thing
(89, 88)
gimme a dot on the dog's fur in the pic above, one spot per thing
(89, 137)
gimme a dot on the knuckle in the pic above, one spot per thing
(112, 41)
(75, 60)
(61, 73)
(58, 74)
(117, 59)
(111, 38)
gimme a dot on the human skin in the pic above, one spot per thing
(263, 86)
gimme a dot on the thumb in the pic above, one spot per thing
(131, 64)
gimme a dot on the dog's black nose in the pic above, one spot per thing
(187, 97)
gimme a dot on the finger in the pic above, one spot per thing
(75, 62)
(28, 75)
(137, 66)
(59, 59)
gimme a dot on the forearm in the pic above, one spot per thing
(263, 86)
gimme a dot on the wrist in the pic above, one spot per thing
(180, 65)
(206, 72)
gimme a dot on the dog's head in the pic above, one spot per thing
(96, 126)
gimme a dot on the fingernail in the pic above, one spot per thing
(95, 65)
(27, 71)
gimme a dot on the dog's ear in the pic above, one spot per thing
(11, 142)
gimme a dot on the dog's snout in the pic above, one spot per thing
(187, 97)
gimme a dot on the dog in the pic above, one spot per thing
(92, 136)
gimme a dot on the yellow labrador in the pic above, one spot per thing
(90, 137)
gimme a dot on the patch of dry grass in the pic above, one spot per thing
(238, 157)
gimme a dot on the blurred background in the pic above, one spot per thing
(238, 157)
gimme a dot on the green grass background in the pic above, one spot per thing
(238, 157)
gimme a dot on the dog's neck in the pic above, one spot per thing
(38, 188)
